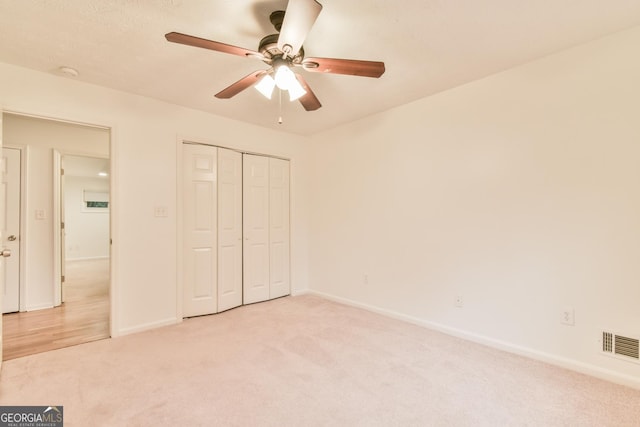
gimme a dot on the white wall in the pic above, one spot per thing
(86, 230)
(519, 192)
(39, 138)
(144, 134)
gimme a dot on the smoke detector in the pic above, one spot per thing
(68, 71)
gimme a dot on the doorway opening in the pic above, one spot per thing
(65, 299)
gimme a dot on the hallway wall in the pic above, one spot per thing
(40, 137)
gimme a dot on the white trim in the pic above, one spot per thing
(114, 288)
(45, 116)
(38, 307)
(563, 362)
(148, 326)
(237, 150)
(179, 228)
(89, 258)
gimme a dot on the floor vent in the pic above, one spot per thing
(626, 348)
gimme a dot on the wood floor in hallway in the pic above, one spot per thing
(83, 317)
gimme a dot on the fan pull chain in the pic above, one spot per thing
(279, 106)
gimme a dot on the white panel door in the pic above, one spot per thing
(279, 283)
(10, 224)
(63, 236)
(256, 228)
(1, 257)
(229, 229)
(200, 223)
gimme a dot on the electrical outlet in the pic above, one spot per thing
(568, 316)
(458, 301)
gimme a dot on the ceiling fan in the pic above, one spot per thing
(282, 52)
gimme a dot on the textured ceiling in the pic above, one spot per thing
(427, 45)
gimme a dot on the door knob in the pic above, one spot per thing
(6, 253)
(11, 238)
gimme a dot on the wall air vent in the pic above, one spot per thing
(623, 347)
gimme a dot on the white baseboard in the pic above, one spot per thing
(574, 365)
(145, 327)
(298, 292)
(90, 258)
(39, 307)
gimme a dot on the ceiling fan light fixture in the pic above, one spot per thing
(281, 52)
(285, 77)
(296, 91)
(265, 86)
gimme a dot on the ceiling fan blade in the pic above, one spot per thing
(352, 67)
(298, 20)
(211, 45)
(308, 100)
(241, 85)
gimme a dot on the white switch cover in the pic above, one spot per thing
(40, 214)
(160, 211)
(568, 316)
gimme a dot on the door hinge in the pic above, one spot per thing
(61, 171)
(62, 225)
(62, 279)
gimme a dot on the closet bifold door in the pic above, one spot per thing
(229, 229)
(266, 228)
(200, 210)
(279, 283)
(255, 207)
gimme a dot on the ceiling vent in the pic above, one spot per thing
(620, 346)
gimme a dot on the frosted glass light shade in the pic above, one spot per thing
(265, 86)
(296, 91)
(285, 77)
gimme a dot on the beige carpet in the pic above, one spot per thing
(305, 361)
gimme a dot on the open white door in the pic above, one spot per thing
(58, 228)
(1, 257)
(200, 294)
(10, 196)
(229, 229)
(63, 236)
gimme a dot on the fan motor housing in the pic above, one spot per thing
(268, 46)
(269, 49)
